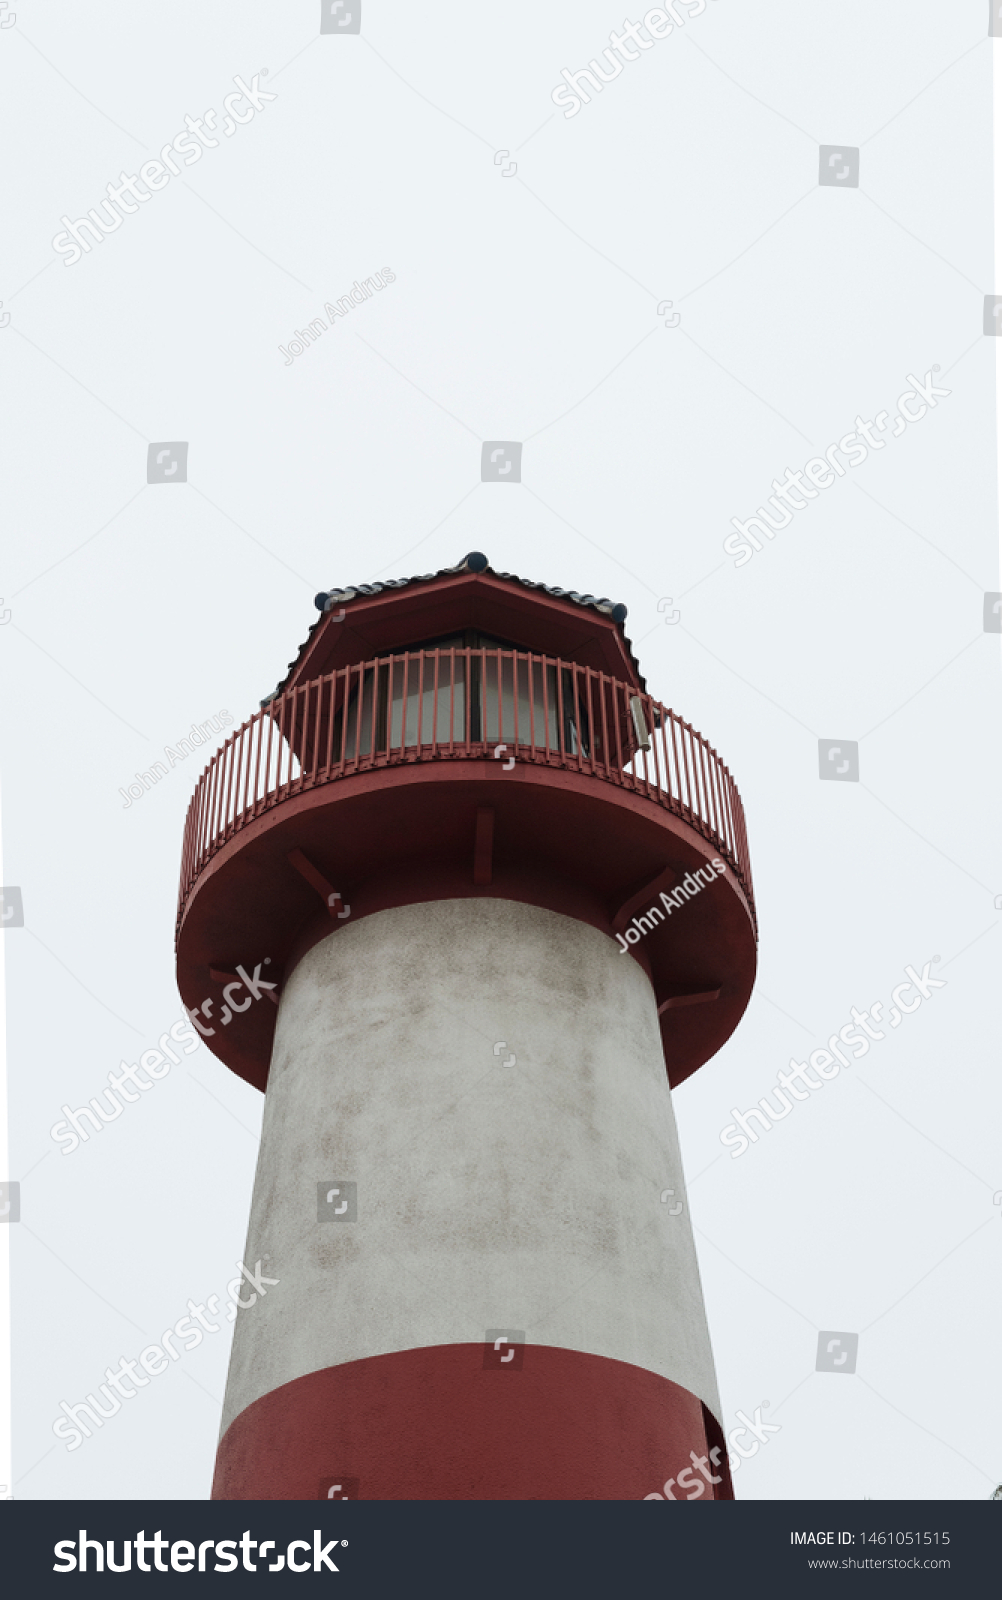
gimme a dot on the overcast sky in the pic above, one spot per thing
(531, 252)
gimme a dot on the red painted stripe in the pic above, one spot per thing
(434, 1424)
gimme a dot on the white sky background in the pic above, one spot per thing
(694, 178)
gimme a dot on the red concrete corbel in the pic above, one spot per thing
(624, 910)
(219, 976)
(316, 880)
(695, 999)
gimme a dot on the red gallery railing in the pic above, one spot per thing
(446, 705)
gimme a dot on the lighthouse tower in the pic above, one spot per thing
(504, 902)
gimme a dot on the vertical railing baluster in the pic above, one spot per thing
(256, 793)
(211, 805)
(290, 740)
(231, 784)
(672, 760)
(738, 811)
(186, 846)
(720, 808)
(243, 771)
(332, 700)
(653, 731)
(249, 726)
(544, 669)
(578, 719)
(319, 685)
(452, 700)
(217, 799)
(228, 747)
(403, 705)
(231, 757)
(338, 760)
(191, 829)
(560, 712)
(718, 800)
(711, 796)
(700, 778)
(648, 759)
(659, 733)
(684, 731)
(603, 699)
(285, 712)
(282, 708)
(194, 821)
(247, 800)
(266, 785)
(729, 799)
(238, 746)
(374, 729)
(743, 856)
(359, 696)
(703, 761)
(210, 808)
(585, 724)
(739, 831)
(302, 719)
(618, 726)
(697, 773)
(205, 826)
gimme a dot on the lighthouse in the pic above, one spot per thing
(467, 904)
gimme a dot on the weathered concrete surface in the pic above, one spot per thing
(489, 1196)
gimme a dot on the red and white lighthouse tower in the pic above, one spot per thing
(469, 1196)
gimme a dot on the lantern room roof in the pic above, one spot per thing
(398, 614)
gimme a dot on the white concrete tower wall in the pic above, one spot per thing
(489, 1196)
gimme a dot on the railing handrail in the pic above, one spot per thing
(389, 711)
